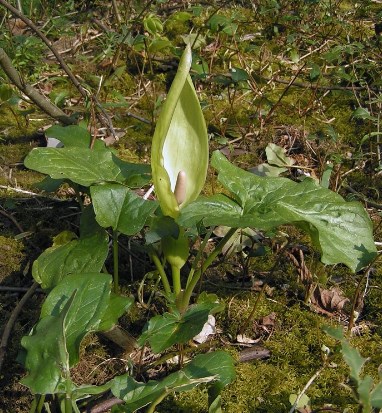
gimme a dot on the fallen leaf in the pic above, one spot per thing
(254, 353)
(328, 301)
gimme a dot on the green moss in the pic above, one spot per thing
(11, 253)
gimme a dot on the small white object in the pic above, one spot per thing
(53, 143)
(242, 339)
(209, 328)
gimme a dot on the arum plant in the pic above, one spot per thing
(340, 230)
(179, 162)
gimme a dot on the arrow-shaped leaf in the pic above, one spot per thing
(341, 230)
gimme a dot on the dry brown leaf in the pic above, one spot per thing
(328, 301)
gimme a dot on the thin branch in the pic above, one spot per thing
(32, 194)
(290, 83)
(12, 319)
(11, 218)
(319, 87)
(105, 405)
(105, 119)
(306, 387)
(4, 288)
(38, 99)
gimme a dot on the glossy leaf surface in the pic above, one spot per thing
(119, 207)
(180, 142)
(47, 359)
(165, 330)
(341, 230)
(80, 304)
(204, 368)
(93, 306)
(74, 136)
(86, 254)
(83, 166)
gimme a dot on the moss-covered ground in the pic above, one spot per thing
(310, 45)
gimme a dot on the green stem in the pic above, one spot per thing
(198, 256)
(78, 197)
(34, 405)
(176, 279)
(68, 404)
(41, 402)
(155, 403)
(162, 273)
(209, 260)
(115, 261)
(255, 306)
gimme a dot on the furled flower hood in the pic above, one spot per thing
(179, 153)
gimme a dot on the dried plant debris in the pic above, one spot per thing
(329, 302)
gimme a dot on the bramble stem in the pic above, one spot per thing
(198, 273)
(115, 261)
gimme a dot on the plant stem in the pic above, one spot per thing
(176, 279)
(68, 405)
(162, 273)
(155, 403)
(115, 261)
(40, 403)
(196, 277)
(198, 257)
(255, 306)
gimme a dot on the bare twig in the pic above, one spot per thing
(41, 101)
(319, 87)
(12, 319)
(32, 194)
(4, 288)
(105, 405)
(290, 83)
(104, 117)
(306, 387)
(11, 218)
(362, 197)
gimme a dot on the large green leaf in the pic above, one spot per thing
(86, 254)
(341, 230)
(180, 142)
(119, 207)
(204, 368)
(74, 136)
(93, 308)
(80, 165)
(85, 166)
(376, 396)
(47, 359)
(78, 305)
(165, 330)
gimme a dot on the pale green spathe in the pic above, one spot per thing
(180, 142)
